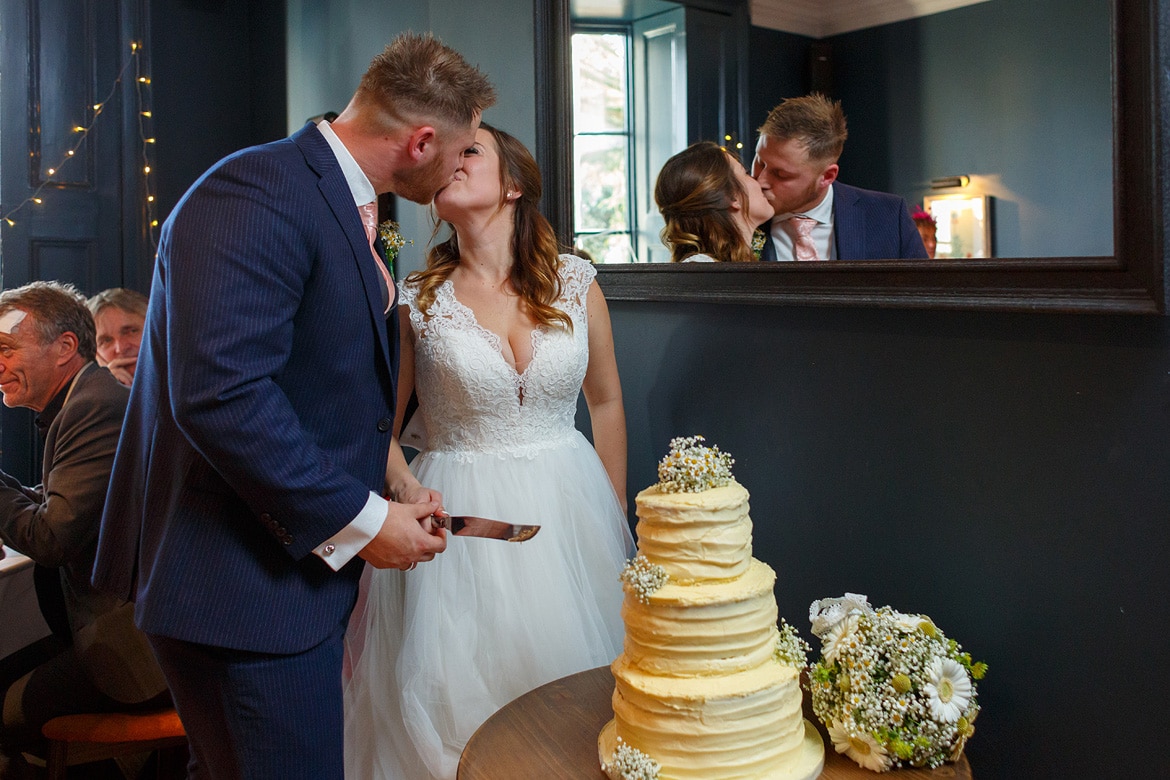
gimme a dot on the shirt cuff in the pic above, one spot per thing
(341, 548)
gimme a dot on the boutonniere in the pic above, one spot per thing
(758, 239)
(392, 242)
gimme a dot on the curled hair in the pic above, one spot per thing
(417, 76)
(535, 250)
(54, 309)
(694, 192)
(129, 301)
(814, 120)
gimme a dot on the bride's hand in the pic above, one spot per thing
(417, 494)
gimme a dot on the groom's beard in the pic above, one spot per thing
(421, 184)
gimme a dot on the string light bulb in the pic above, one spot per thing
(144, 111)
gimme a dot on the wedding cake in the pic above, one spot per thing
(704, 687)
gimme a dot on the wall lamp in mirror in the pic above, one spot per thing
(943, 182)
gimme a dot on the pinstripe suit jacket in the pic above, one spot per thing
(261, 410)
(868, 225)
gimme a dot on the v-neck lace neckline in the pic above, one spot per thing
(493, 338)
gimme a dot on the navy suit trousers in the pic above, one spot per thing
(259, 716)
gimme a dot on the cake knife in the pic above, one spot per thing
(469, 525)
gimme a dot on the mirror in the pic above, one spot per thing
(1130, 279)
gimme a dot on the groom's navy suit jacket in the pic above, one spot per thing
(867, 225)
(261, 411)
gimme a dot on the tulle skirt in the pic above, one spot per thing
(432, 653)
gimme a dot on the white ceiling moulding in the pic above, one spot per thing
(822, 18)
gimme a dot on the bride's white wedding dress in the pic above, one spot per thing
(432, 653)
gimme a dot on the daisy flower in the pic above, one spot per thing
(838, 637)
(862, 748)
(949, 689)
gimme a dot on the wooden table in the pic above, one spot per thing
(552, 732)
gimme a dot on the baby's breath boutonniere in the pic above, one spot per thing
(758, 239)
(392, 242)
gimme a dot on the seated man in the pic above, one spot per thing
(818, 217)
(119, 315)
(46, 364)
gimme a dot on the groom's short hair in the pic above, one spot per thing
(418, 77)
(814, 120)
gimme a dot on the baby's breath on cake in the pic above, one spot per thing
(691, 467)
(644, 577)
(791, 649)
(629, 763)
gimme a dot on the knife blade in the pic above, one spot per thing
(469, 525)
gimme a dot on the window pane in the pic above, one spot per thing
(607, 247)
(599, 83)
(600, 181)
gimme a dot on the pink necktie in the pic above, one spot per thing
(370, 220)
(801, 228)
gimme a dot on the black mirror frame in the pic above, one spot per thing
(1131, 282)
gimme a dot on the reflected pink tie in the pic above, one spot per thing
(369, 213)
(801, 228)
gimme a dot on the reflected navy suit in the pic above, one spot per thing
(868, 225)
(260, 417)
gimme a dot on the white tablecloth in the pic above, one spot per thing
(21, 623)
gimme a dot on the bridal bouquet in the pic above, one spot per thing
(890, 688)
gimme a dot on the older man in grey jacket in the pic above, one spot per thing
(47, 347)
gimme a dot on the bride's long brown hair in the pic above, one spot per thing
(694, 192)
(534, 242)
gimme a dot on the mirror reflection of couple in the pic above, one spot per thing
(262, 433)
(712, 207)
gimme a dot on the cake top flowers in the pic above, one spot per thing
(692, 467)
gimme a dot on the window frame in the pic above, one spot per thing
(625, 30)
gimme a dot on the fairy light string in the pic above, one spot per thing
(142, 91)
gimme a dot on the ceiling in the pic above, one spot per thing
(821, 18)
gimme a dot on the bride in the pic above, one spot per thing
(499, 336)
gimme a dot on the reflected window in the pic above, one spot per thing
(602, 144)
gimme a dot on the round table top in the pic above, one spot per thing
(552, 732)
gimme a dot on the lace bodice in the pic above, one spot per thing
(472, 401)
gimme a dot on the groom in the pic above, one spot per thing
(248, 477)
(818, 217)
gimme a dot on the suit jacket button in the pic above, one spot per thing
(384, 424)
(328, 550)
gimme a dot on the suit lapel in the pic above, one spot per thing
(335, 190)
(848, 226)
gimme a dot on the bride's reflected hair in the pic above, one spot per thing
(694, 192)
(535, 249)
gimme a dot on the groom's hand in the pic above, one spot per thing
(404, 539)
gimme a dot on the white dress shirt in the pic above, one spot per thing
(340, 549)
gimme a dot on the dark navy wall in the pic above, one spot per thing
(1017, 95)
(1006, 474)
(218, 83)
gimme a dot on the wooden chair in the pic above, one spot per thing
(80, 739)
